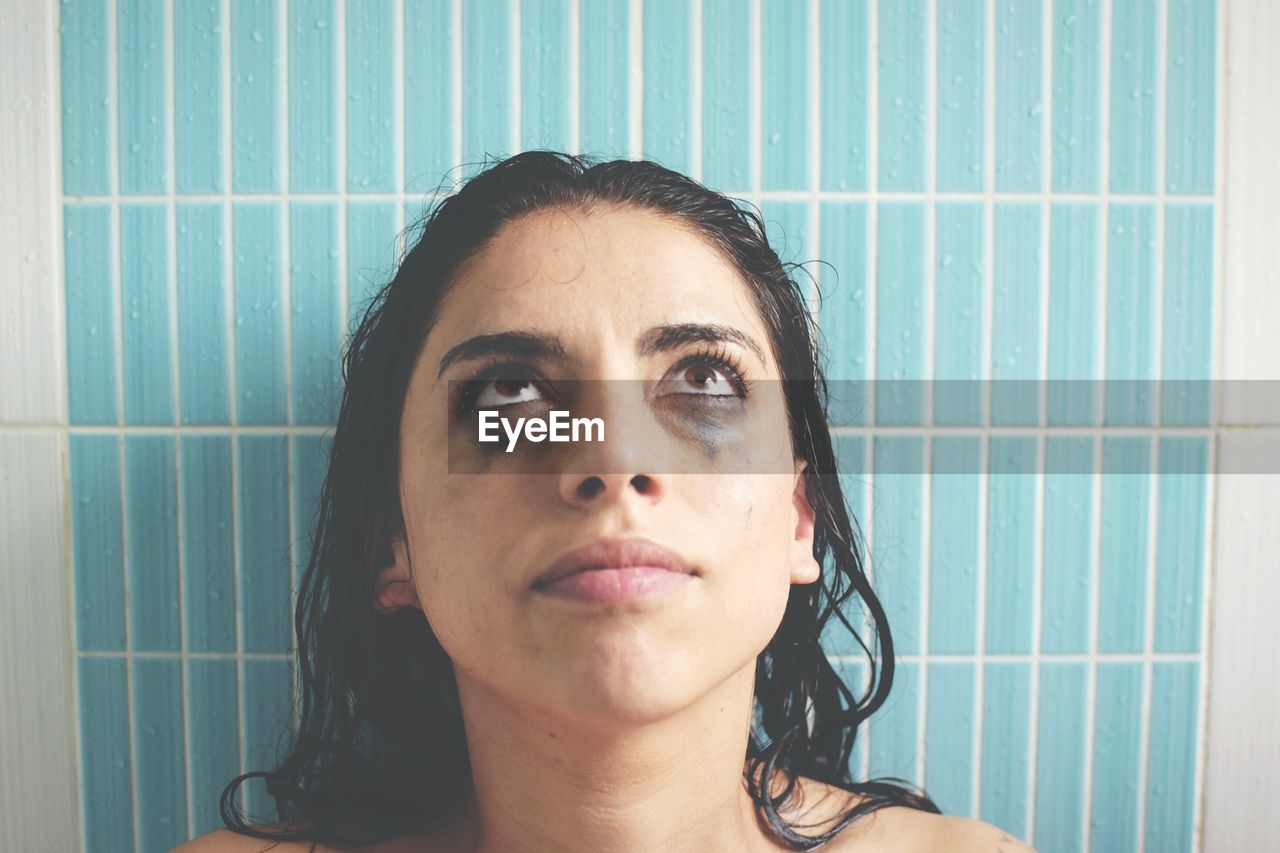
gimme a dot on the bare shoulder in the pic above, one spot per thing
(905, 830)
(899, 829)
(226, 841)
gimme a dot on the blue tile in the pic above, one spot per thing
(97, 527)
(1068, 549)
(268, 686)
(545, 105)
(106, 767)
(1077, 96)
(1134, 80)
(428, 86)
(488, 46)
(1020, 108)
(208, 543)
(893, 731)
(1187, 315)
(1060, 742)
(603, 72)
(667, 105)
(87, 100)
(371, 74)
(158, 733)
(143, 116)
(785, 94)
(1122, 570)
(843, 317)
(844, 42)
(901, 110)
(1191, 72)
(215, 731)
(949, 735)
(151, 519)
(959, 299)
(144, 292)
(203, 352)
(1015, 315)
(199, 110)
(315, 312)
(962, 28)
(1117, 756)
(900, 333)
(255, 121)
(953, 548)
(259, 319)
(1006, 745)
(1171, 768)
(313, 96)
(1075, 303)
(371, 235)
(898, 534)
(1013, 463)
(1182, 492)
(726, 87)
(91, 325)
(263, 514)
(1131, 311)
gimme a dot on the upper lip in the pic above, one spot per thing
(614, 553)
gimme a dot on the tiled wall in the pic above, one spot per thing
(1015, 189)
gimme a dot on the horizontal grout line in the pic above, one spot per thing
(885, 429)
(188, 655)
(767, 195)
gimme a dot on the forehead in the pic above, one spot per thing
(612, 270)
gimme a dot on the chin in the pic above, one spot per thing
(626, 681)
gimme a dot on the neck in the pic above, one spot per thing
(544, 783)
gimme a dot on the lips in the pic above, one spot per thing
(614, 553)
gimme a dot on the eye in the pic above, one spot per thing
(703, 376)
(496, 393)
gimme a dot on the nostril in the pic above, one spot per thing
(642, 482)
(590, 487)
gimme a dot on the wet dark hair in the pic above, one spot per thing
(380, 749)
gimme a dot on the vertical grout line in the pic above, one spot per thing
(988, 314)
(1218, 372)
(1101, 271)
(872, 254)
(175, 374)
(398, 146)
(515, 141)
(575, 77)
(931, 290)
(755, 117)
(814, 116)
(1148, 625)
(1036, 617)
(635, 78)
(340, 49)
(455, 81)
(695, 97)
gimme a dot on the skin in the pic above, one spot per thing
(621, 727)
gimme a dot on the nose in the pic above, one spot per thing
(578, 489)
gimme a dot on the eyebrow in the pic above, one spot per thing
(533, 345)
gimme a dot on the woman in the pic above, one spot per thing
(595, 646)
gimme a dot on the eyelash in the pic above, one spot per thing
(719, 357)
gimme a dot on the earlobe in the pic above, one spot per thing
(804, 567)
(395, 588)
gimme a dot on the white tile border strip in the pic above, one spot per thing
(39, 790)
(1243, 742)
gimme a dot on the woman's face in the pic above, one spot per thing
(601, 292)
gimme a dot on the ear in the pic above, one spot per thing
(395, 587)
(804, 567)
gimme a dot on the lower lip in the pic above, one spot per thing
(612, 586)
